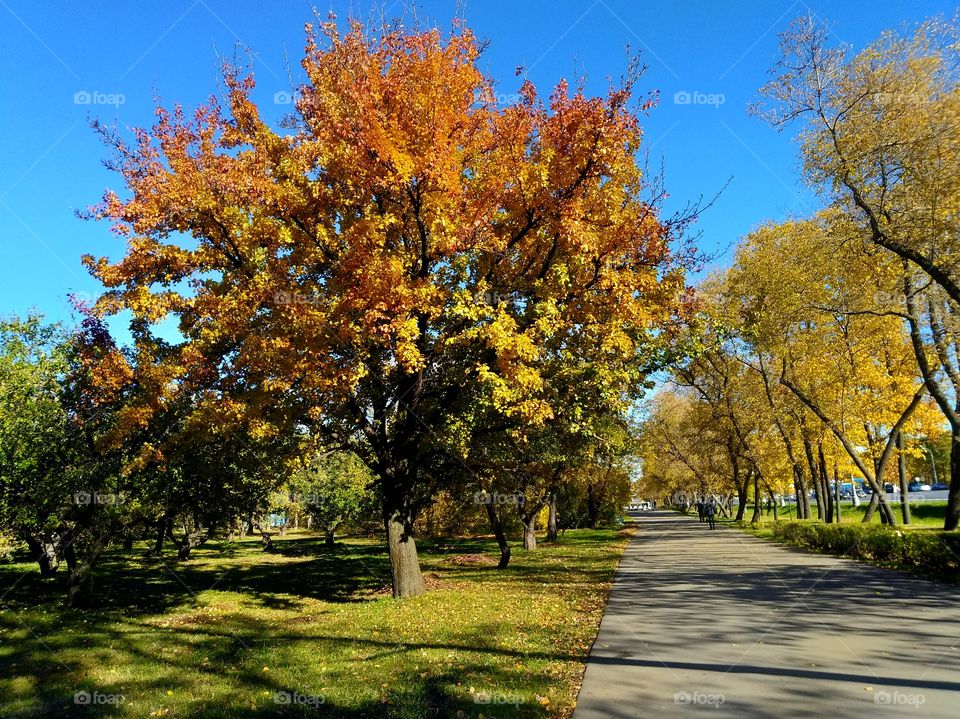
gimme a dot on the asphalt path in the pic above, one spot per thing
(723, 624)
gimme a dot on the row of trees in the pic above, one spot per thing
(74, 481)
(829, 349)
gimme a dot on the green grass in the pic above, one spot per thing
(221, 634)
(923, 514)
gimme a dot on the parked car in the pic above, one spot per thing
(941, 487)
(919, 487)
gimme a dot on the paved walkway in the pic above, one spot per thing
(722, 624)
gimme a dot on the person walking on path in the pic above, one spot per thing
(710, 509)
(701, 510)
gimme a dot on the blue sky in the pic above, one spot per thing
(63, 62)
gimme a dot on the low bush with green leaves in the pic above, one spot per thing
(929, 552)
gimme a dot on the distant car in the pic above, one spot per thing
(940, 487)
(919, 487)
(888, 487)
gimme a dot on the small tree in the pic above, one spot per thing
(334, 488)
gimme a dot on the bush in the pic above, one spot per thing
(930, 552)
(7, 547)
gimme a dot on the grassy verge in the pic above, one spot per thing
(923, 513)
(309, 631)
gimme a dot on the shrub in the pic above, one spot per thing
(929, 552)
(7, 546)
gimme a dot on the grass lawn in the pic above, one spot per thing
(309, 631)
(924, 515)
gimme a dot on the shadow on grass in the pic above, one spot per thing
(55, 654)
(298, 568)
(211, 664)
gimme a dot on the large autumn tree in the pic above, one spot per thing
(400, 244)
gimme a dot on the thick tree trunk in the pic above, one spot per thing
(183, 551)
(814, 478)
(529, 533)
(80, 585)
(952, 520)
(741, 501)
(80, 577)
(161, 535)
(593, 508)
(44, 553)
(904, 484)
(329, 538)
(405, 573)
(188, 542)
(497, 526)
(552, 517)
(757, 499)
(871, 507)
(803, 508)
(825, 483)
(878, 500)
(836, 494)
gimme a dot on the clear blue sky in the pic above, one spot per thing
(51, 51)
